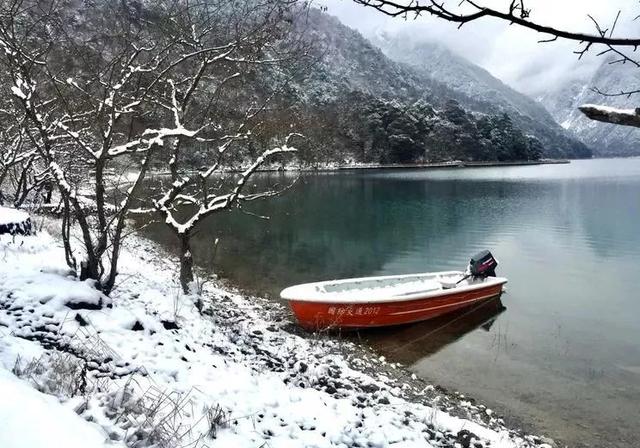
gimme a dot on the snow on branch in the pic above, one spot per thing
(150, 138)
(208, 204)
(626, 117)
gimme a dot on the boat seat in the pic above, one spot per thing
(448, 285)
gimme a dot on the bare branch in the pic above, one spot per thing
(396, 9)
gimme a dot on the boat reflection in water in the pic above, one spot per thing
(410, 343)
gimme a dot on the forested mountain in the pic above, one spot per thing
(605, 139)
(356, 104)
(304, 73)
(479, 91)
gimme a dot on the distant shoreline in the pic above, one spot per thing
(414, 166)
(329, 168)
(457, 164)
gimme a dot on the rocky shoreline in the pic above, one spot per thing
(414, 388)
(242, 356)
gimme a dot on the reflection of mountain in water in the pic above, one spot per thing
(348, 225)
(359, 224)
(610, 215)
(410, 343)
(566, 237)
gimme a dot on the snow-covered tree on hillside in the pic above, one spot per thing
(120, 87)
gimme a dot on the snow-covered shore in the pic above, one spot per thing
(145, 368)
(335, 167)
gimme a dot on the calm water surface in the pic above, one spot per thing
(564, 354)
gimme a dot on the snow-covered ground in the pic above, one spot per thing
(29, 418)
(145, 368)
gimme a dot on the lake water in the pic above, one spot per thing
(564, 354)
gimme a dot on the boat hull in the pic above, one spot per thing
(316, 315)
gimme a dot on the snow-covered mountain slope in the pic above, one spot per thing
(605, 139)
(478, 90)
(347, 62)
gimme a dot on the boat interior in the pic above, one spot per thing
(373, 288)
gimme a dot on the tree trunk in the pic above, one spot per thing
(186, 263)
(66, 235)
(90, 270)
(48, 193)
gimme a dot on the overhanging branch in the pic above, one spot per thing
(625, 117)
(518, 16)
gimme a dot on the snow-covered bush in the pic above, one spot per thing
(217, 418)
(55, 373)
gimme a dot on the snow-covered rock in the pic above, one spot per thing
(14, 221)
(12, 215)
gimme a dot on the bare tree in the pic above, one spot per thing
(202, 195)
(22, 175)
(113, 85)
(517, 13)
(84, 114)
(193, 195)
(12, 158)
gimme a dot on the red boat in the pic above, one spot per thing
(393, 300)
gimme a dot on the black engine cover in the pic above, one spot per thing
(483, 264)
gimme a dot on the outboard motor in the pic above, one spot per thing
(483, 264)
